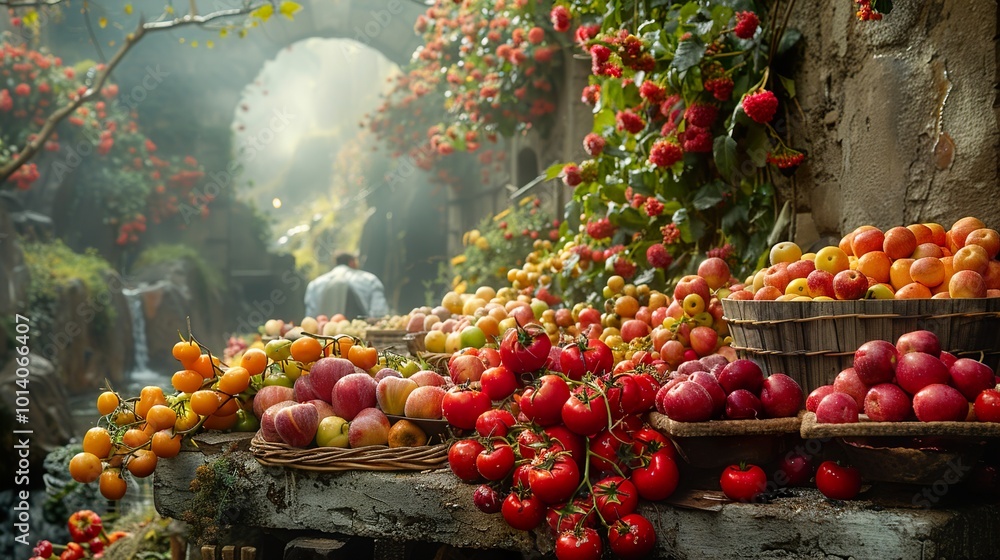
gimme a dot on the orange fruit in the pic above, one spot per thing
(875, 264)
(203, 366)
(186, 352)
(98, 442)
(938, 234)
(134, 437)
(234, 381)
(913, 290)
(899, 273)
(899, 243)
(228, 405)
(161, 417)
(166, 445)
(148, 397)
(85, 467)
(254, 360)
(921, 233)
(205, 402)
(107, 402)
(215, 422)
(142, 463)
(306, 350)
(112, 484)
(961, 229)
(186, 381)
(626, 306)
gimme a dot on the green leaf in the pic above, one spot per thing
(724, 152)
(757, 145)
(689, 53)
(289, 9)
(781, 224)
(708, 196)
(554, 170)
(788, 40)
(632, 218)
(687, 10)
(721, 14)
(612, 93)
(882, 6)
(788, 84)
(735, 216)
(263, 13)
(603, 119)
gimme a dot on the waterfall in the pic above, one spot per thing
(140, 371)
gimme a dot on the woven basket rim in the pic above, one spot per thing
(812, 429)
(716, 428)
(335, 459)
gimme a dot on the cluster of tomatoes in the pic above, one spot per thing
(134, 433)
(89, 539)
(567, 448)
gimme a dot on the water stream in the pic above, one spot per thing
(141, 374)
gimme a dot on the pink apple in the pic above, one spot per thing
(715, 271)
(659, 314)
(850, 284)
(688, 402)
(741, 374)
(369, 427)
(391, 394)
(323, 408)
(940, 403)
(665, 388)
(743, 405)
(303, 390)
(917, 370)
(267, 429)
(712, 360)
(814, 398)
(919, 341)
(801, 269)
(269, 395)
(820, 283)
(297, 424)
(466, 368)
(633, 329)
(352, 394)
(692, 284)
(849, 382)
(703, 340)
(691, 366)
(837, 408)
(426, 377)
(708, 381)
(875, 362)
(672, 352)
(777, 276)
(326, 372)
(386, 372)
(780, 396)
(971, 377)
(424, 402)
(886, 402)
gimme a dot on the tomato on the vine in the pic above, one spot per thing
(543, 402)
(625, 395)
(525, 348)
(498, 383)
(632, 536)
(796, 468)
(586, 356)
(585, 412)
(553, 477)
(523, 511)
(743, 482)
(656, 476)
(579, 544)
(612, 451)
(565, 439)
(487, 499)
(495, 422)
(615, 497)
(838, 482)
(462, 459)
(496, 461)
(461, 406)
(651, 440)
(565, 517)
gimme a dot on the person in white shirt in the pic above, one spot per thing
(346, 290)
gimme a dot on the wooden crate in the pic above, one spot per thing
(812, 341)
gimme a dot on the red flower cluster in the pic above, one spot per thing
(760, 106)
(600, 229)
(665, 153)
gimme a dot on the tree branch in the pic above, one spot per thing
(29, 3)
(33, 146)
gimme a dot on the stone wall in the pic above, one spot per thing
(899, 114)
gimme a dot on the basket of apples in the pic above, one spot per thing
(807, 313)
(717, 413)
(339, 416)
(908, 412)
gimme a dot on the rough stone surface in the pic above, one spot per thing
(48, 417)
(879, 98)
(435, 507)
(312, 548)
(14, 278)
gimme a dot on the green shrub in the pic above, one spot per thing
(166, 252)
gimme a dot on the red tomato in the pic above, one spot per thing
(656, 477)
(580, 544)
(562, 437)
(632, 536)
(543, 403)
(796, 469)
(566, 517)
(498, 383)
(743, 482)
(520, 477)
(586, 356)
(612, 448)
(462, 406)
(495, 422)
(625, 395)
(529, 442)
(525, 349)
(463, 352)
(496, 461)
(615, 497)
(84, 525)
(648, 386)
(838, 482)
(490, 357)
(523, 513)
(585, 412)
(553, 477)
(74, 551)
(462, 459)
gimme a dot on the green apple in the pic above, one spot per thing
(538, 307)
(880, 291)
(332, 432)
(472, 337)
(279, 378)
(409, 368)
(278, 349)
(292, 369)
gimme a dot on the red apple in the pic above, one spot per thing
(692, 284)
(711, 384)
(715, 271)
(703, 340)
(837, 408)
(424, 402)
(741, 374)
(659, 314)
(814, 398)
(297, 424)
(304, 390)
(326, 372)
(352, 394)
(848, 381)
(672, 352)
(267, 430)
(711, 361)
(971, 377)
(820, 283)
(917, 370)
(743, 405)
(688, 402)
(780, 396)
(369, 427)
(801, 269)
(987, 406)
(797, 468)
(886, 402)
(323, 408)
(850, 284)
(777, 276)
(875, 362)
(940, 403)
(634, 328)
(919, 341)
(662, 392)
(269, 395)
(691, 366)
(465, 368)
(947, 358)
(427, 377)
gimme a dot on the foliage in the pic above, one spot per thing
(166, 252)
(500, 242)
(52, 267)
(487, 69)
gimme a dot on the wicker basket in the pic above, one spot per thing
(812, 341)
(415, 342)
(717, 443)
(437, 360)
(385, 340)
(335, 459)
